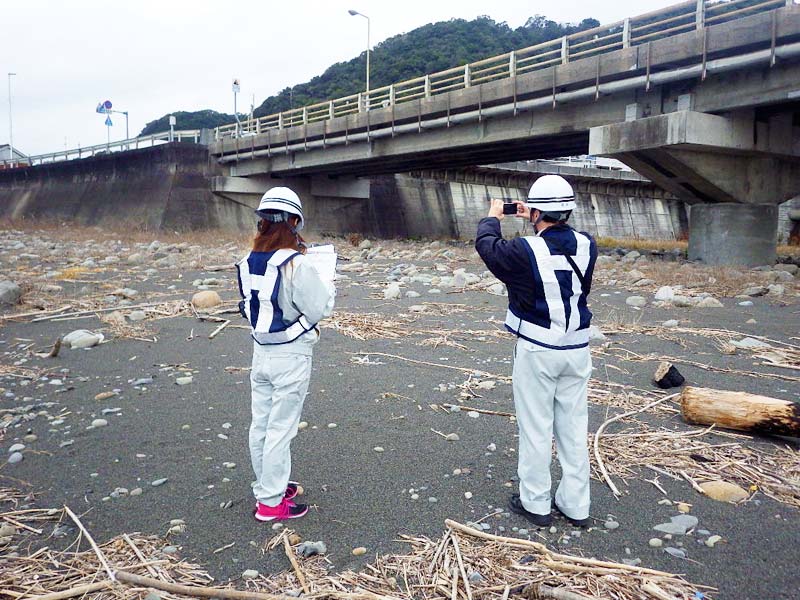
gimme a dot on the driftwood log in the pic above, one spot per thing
(740, 410)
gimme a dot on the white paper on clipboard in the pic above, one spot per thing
(323, 259)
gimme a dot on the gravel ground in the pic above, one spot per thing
(195, 435)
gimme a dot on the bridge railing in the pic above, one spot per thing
(117, 146)
(634, 31)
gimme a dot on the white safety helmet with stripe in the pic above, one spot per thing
(278, 203)
(552, 194)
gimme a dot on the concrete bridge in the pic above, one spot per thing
(703, 98)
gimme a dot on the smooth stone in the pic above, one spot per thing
(159, 482)
(206, 299)
(82, 338)
(655, 542)
(676, 552)
(249, 574)
(15, 458)
(136, 491)
(611, 525)
(665, 294)
(671, 323)
(712, 541)
(99, 423)
(636, 301)
(359, 551)
(307, 549)
(137, 315)
(104, 396)
(16, 448)
(184, 380)
(723, 491)
(750, 343)
(710, 303)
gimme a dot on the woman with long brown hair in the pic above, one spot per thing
(283, 298)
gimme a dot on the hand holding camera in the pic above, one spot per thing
(501, 208)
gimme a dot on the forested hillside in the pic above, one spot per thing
(430, 48)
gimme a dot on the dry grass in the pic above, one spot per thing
(640, 244)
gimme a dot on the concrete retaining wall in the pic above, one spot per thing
(163, 187)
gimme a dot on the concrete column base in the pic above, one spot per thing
(733, 234)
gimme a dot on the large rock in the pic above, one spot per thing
(709, 302)
(10, 292)
(635, 301)
(82, 338)
(392, 291)
(723, 491)
(206, 299)
(665, 294)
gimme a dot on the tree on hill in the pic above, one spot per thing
(200, 119)
(427, 49)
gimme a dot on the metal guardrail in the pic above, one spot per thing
(121, 145)
(634, 31)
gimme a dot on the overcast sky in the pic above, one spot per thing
(151, 57)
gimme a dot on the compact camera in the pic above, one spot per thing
(509, 208)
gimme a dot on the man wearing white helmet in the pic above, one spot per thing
(283, 299)
(548, 276)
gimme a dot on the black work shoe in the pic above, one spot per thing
(515, 504)
(575, 522)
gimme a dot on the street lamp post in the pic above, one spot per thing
(354, 13)
(10, 123)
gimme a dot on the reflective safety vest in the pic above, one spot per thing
(562, 317)
(259, 284)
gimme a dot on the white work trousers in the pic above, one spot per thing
(279, 383)
(550, 389)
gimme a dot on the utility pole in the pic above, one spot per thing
(10, 123)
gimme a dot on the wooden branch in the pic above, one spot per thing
(297, 571)
(70, 593)
(97, 311)
(214, 333)
(94, 545)
(483, 411)
(139, 555)
(655, 591)
(540, 590)
(550, 556)
(599, 458)
(467, 586)
(193, 590)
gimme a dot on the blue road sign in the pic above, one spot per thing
(108, 121)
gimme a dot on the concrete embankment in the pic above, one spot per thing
(163, 187)
(168, 187)
(451, 204)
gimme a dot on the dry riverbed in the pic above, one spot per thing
(126, 402)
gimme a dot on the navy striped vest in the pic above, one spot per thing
(259, 283)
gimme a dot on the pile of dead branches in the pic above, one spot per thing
(366, 326)
(697, 456)
(463, 563)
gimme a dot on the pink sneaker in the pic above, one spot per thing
(291, 491)
(285, 510)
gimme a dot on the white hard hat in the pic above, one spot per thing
(551, 193)
(281, 199)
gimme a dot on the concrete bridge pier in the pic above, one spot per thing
(734, 170)
(329, 204)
